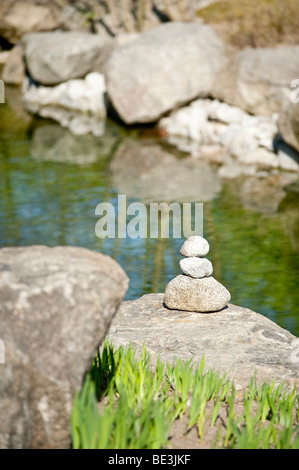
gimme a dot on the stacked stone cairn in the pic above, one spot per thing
(196, 290)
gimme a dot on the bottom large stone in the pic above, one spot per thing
(196, 295)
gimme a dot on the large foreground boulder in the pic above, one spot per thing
(163, 68)
(56, 57)
(235, 340)
(258, 80)
(55, 307)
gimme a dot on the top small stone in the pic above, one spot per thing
(195, 246)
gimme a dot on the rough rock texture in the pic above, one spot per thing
(236, 339)
(196, 267)
(228, 136)
(4, 56)
(288, 124)
(163, 68)
(149, 172)
(14, 68)
(258, 80)
(56, 305)
(196, 295)
(76, 104)
(105, 17)
(18, 17)
(195, 246)
(56, 57)
(74, 19)
(111, 44)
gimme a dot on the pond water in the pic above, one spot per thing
(52, 181)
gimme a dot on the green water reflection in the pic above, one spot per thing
(51, 183)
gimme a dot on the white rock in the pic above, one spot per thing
(195, 246)
(78, 95)
(209, 122)
(225, 113)
(76, 104)
(233, 169)
(241, 142)
(196, 267)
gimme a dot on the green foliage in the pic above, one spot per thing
(139, 406)
(133, 417)
(272, 424)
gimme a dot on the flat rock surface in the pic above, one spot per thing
(236, 339)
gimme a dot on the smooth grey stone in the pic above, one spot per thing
(196, 267)
(195, 246)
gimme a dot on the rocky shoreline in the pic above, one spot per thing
(240, 107)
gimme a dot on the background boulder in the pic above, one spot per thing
(163, 68)
(258, 80)
(56, 57)
(18, 17)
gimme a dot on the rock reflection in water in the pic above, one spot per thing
(147, 171)
(264, 194)
(53, 143)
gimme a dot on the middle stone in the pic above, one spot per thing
(196, 267)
